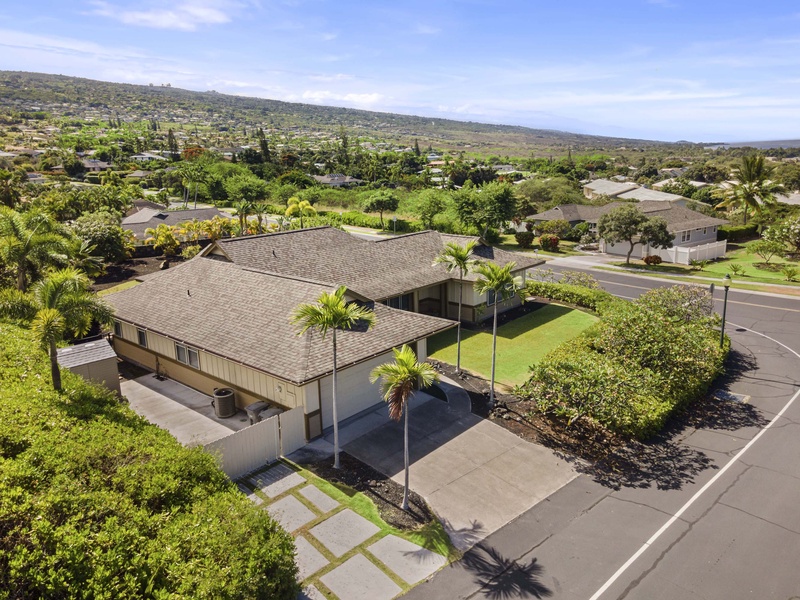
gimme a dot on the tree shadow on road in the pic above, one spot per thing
(501, 577)
(665, 461)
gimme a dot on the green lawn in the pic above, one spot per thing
(520, 343)
(565, 248)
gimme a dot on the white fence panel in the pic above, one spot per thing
(246, 450)
(293, 430)
(683, 255)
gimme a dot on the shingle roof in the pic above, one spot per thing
(139, 221)
(374, 269)
(184, 303)
(569, 212)
(678, 218)
(609, 188)
(84, 354)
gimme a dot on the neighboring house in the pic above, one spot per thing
(641, 194)
(7, 154)
(337, 180)
(396, 271)
(660, 184)
(574, 214)
(145, 156)
(210, 323)
(36, 178)
(94, 166)
(148, 217)
(139, 174)
(604, 187)
(95, 361)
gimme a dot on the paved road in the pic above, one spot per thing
(712, 514)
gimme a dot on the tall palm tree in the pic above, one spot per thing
(30, 241)
(300, 208)
(753, 188)
(244, 208)
(499, 285)
(332, 312)
(58, 306)
(260, 209)
(398, 381)
(458, 257)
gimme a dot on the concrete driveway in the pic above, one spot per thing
(476, 475)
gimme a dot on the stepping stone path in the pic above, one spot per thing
(338, 532)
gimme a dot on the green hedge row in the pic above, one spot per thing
(737, 233)
(571, 294)
(97, 503)
(633, 369)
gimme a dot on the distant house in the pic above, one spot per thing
(574, 214)
(36, 178)
(94, 166)
(145, 156)
(604, 187)
(665, 182)
(7, 154)
(337, 180)
(641, 194)
(147, 218)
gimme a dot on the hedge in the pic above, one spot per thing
(97, 503)
(571, 294)
(737, 233)
(633, 369)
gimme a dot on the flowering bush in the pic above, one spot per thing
(655, 259)
(549, 242)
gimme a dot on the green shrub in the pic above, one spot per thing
(98, 503)
(524, 239)
(634, 368)
(789, 273)
(190, 251)
(577, 295)
(549, 242)
(737, 233)
(736, 269)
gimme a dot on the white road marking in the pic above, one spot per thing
(702, 490)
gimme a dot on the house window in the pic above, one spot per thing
(187, 355)
(705, 230)
(117, 329)
(491, 297)
(141, 336)
(686, 236)
(404, 302)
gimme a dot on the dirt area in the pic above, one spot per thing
(130, 269)
(385, 493)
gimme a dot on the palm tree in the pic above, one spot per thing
(243, 209)
(753, 186)
(59, 305)
(300, 208)
(163, 238)
(455, 256)
(499, 285)
(30, 241)
(398, 381)
(332, 312)
(260, 209)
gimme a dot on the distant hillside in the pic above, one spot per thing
(86, 98)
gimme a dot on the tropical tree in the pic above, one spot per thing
(399, 379)
(754, 186)
(29, 242)
(243, 208)
(260, 209)
(627, 223)
(380, 202)
(300, 208)
(217, 227)
(10, 188)
(163, 238)
(499, 285)
(58, 306)
(456, 257)
(331, 313)
(84, 257)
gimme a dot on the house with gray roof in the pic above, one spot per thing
(148, 217)
(605, 187)
(211, 323)
(642, 194)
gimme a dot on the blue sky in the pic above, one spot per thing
(658, 69)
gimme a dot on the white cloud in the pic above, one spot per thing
(320, 96)
(185, 16)
(331, 77)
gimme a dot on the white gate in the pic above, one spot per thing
(292, 430)
(253, 447)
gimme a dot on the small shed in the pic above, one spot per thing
(95, 361)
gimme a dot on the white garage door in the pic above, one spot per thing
(354, 392)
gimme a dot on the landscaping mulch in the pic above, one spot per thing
(385, 493)
(131, 269)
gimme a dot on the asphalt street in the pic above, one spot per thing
(711, 512)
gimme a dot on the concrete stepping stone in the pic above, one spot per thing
(276, 480)
(290, 513)
(411, 562)
(310, 593)
(309, 559)
(343, 531)
(251, 495)
(319, 498)
(359, 579)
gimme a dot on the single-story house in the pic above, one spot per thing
(605, 187)
(642, 194)
(337, 180)
(145, 156)
(396, 271)
(574, 214)
(211, 323)
(147, 218)
(664, 182)
(93, 165)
